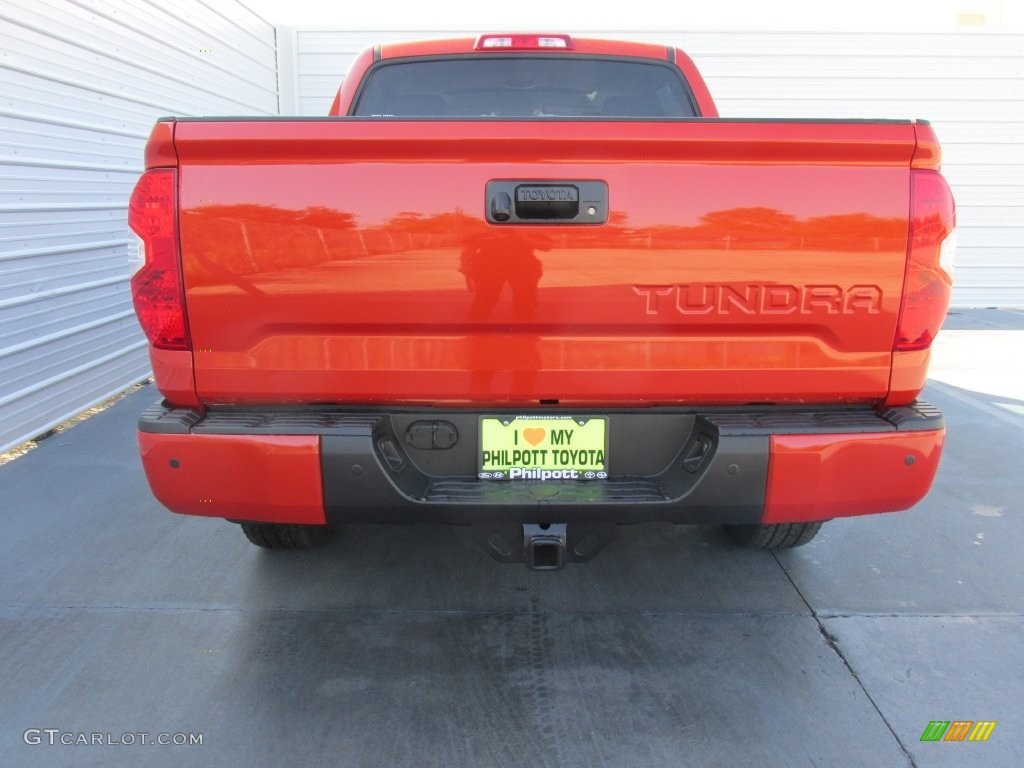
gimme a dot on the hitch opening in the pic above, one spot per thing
(544, 544)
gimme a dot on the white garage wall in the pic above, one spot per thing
(81, 84)
(969, 84)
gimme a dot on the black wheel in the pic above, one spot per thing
(285, 536)
(774, 535)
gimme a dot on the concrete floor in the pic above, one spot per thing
(409, 646)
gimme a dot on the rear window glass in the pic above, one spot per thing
(521, 86)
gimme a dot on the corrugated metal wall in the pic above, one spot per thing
(82, 83)
(969, 84)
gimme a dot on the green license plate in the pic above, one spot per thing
(543, 448)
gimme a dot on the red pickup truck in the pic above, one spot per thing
(535, 284)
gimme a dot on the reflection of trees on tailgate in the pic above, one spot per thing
(763, 228)
(251, 238)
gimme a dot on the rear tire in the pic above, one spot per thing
(285, 536)
(773, 535)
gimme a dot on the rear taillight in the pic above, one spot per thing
(929, 279)
(157, 290)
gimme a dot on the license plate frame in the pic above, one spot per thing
(542, 448)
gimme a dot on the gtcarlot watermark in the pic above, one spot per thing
(55, 736)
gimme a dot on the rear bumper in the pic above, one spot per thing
(328, 465)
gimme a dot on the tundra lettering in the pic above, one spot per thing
(703, 299)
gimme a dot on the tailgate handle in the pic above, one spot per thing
(547, 202)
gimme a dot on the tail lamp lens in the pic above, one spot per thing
(929, 279)
(157, 291)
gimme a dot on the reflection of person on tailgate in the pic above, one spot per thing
(490, 261)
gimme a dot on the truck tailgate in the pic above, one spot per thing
(343, 260)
